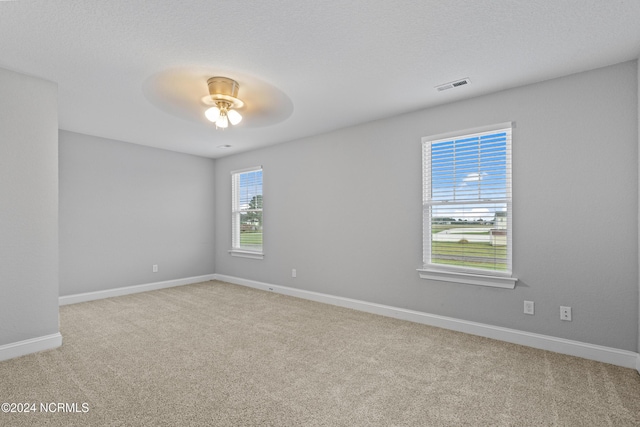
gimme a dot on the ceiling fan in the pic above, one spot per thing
(223, 99)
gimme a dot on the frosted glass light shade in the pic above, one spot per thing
(222, 122)
(234, 117)
(212, 114)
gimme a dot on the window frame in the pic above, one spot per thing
(236, 210)
(466, 274)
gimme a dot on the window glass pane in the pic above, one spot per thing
(467, 200)
(470, 235)
(247, 226)
(251, 231)
(250, 188)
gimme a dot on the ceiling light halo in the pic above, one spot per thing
(223, 98)
(179, 92)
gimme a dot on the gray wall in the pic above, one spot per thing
(28, 208)
(344, 209)
(125, 207)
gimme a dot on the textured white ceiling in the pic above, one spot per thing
(323, 65)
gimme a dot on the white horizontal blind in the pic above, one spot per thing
(467, 201)
(246, 208)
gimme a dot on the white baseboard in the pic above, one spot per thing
(33, 345)
(116, 292)
(624, 358)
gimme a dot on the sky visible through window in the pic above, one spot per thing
(250, 187)
(467, 170)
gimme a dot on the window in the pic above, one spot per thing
(246, 213)
(467, 227)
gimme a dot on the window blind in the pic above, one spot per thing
(467, 201)
(247, 199)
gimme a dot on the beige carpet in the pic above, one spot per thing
(216, 354)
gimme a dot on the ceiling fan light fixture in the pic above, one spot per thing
(223, 97)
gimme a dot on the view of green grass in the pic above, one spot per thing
(436, 228)
(485, 265)
(480, 255)
(469, 249)
(250, 238)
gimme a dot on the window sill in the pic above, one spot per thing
(246, 254)
(505, 282)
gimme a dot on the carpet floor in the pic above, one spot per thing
(216, 354)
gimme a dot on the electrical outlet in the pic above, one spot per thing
(155, 268)
(294, 273)
(528, 307)
(565, 313)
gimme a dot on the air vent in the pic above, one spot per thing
(451, 85)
